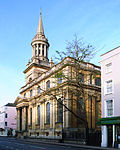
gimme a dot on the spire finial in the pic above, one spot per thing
(40, 12)
(40, 26)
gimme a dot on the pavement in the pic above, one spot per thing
(37, 141)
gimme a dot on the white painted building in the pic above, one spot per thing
(110, 91)
(7, 119)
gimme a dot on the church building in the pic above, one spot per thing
(45, 107)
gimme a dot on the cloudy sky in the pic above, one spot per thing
(97, 21)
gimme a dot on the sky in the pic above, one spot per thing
(96, 21)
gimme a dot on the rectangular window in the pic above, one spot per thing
(5, 115)
(6, 124)
(109, 104)
(109, 88)
(98, 81)
(108, 67)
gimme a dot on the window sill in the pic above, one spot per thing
(109, 93)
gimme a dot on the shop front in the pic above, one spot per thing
(110, 128)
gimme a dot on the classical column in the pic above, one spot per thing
(64, 115)
(18, 119)
(68, 114)
(51, 114)
(104, 136)
(23, 119)
(45, 51)
(113, 135)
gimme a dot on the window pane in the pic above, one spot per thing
(109, 86)
(108, 67)
(109, 107)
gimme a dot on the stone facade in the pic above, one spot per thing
(38, 109)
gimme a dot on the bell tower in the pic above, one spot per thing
(40, 45)
(39, 62)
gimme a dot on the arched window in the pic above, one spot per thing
(48, 113)
(60, 110)
(38, 110)
(38, 89)
(48, 84)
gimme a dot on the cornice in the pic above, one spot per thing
(36, 65)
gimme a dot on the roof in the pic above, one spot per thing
(110, 50)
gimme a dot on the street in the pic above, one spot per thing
(13, 144)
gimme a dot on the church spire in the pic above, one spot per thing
(40, 45)
(40, 26)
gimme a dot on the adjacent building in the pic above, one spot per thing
(8, 116)
(110, 78)
(39, 110)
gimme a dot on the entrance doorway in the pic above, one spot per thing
(110, 135)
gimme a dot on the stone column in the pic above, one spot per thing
(113, 135)
(51, 114)
(45, 50)
(33, 117)
(104, 136)
(64, 115)
(68, 114)
(18, 119)
(23, 119)
(34, 50)
(37, 50)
